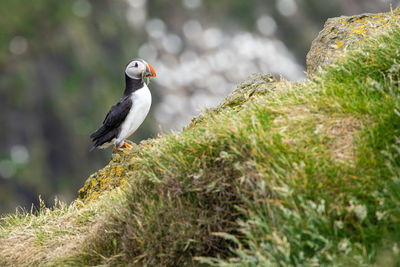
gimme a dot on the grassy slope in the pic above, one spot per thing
(308, 173)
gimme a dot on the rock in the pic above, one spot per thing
(255, 84)
(111, 176)
(340, 33)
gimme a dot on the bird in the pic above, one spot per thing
(125, 117)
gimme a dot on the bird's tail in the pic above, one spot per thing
(102, 135)
(101, 131)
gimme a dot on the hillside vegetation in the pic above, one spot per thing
(291, 173)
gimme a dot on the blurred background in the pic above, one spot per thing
(62, 67)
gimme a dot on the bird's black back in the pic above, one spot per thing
(112, 123)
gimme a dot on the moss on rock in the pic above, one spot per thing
(341, 32)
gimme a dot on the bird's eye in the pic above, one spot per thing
(136, 65)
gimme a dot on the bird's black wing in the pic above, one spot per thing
(111, 124)
(118, 113)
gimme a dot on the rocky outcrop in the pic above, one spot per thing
(337, 35)
(111, 176)
(256, 84)
(340, 33)
(117, 171)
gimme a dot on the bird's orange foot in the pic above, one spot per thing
(120, 149)
(128, 146)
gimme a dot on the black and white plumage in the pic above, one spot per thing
(127, 115)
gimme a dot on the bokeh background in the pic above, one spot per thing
(62, 67)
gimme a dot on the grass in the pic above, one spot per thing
(40, 236)
(303, 174)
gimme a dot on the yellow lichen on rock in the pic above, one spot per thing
(339, 44)
(342, 32)
(359, 29)
(359, 20)
(111, 176)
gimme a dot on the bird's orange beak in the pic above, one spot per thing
(150, 71)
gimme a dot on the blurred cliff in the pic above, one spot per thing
(62, 63)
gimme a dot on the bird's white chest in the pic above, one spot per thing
(141, 102)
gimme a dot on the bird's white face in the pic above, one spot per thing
(139, 69)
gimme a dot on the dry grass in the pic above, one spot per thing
(342, 132)
(337, 131)
(40, 237)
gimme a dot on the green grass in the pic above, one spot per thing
(304, 174)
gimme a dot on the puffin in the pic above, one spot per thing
(125, 117)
